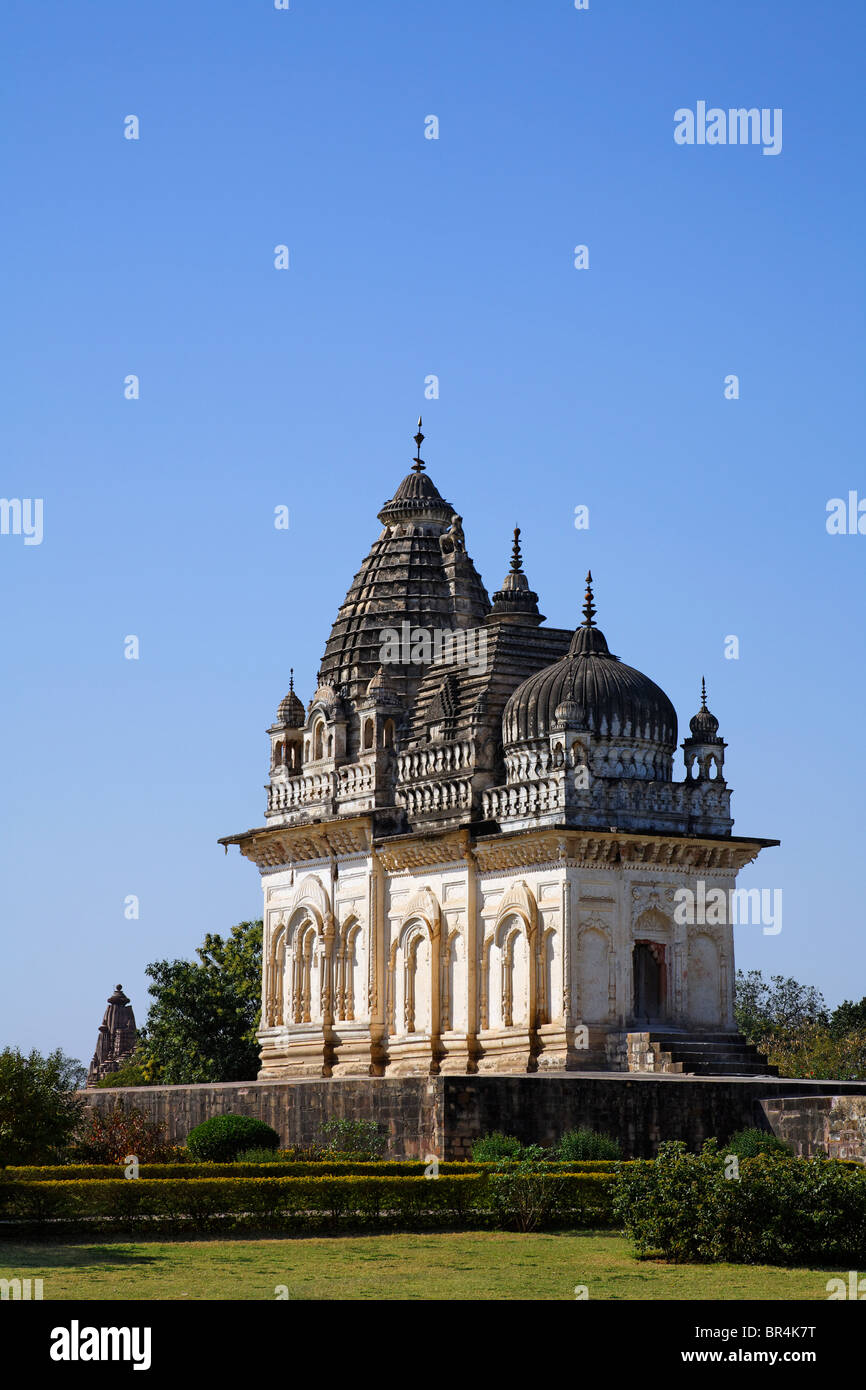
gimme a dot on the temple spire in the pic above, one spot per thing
(588, 605)
(418, 462)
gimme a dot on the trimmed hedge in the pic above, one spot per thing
(694, 1207)
(465, 1200)
(79, 1172)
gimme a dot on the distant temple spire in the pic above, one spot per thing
(418, 462)
(115, 1042)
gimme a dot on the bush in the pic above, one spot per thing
(356, 1141)
(223, 1137)
(491, 1148)
(525, 1194)
(748, 1143)
(125, 1130)
(692, 1207)
(464, 1201)
(39, 1107)
(580, 1144)
(261, 1156)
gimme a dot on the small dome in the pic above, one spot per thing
(291, 712)
(594, 687)
(704, 725)
(381, 690)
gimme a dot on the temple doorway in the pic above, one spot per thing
(648, 962)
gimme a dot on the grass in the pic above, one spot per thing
(469, 1265)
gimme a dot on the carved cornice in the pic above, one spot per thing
(614, 850)
(295, 844)
(423, 853)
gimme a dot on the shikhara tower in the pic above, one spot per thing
(470, 869)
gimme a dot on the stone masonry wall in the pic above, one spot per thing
(444, 1115)
(834, 1125)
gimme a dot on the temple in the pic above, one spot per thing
(115, 1042)
(474, 843)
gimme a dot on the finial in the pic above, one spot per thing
(703, 693)
(588, 605)
(418, 462)
(516, 564)
(291, 680)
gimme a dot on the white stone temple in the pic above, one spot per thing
(474, 841)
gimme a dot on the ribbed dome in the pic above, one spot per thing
(417, 486)
(704, 725)
(291, 714)
(599, 691)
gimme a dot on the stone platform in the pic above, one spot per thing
(444, 1115)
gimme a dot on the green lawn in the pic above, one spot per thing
(473, 1265)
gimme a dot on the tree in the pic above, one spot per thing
(40, 1109)
(848, 1018)
(202, 1022)
(778, 1006)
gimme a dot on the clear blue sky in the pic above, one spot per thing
(558, 387)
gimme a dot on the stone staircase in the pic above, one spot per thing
(696, 1054)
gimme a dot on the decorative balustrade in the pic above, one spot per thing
(607, 797)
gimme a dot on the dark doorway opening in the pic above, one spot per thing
(649, 981)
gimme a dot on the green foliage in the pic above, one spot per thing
(789, 1022)
(356, 1141)
(138, 1071)
(762, 1008)
(578, 1144)
(748, 1143)
(281, 1167)
(123, 1131)
(524, 1192)
(307, 1203)
(693, 1207)
(848, 1018)
(39, 1107)
(223, 1137)
(490, 1148)
(260, 1155)
(204, 1015)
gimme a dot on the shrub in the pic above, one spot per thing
(464, 1201)
(691, 1207)
(261, 1156)
(125, 1130)
(223, 1137)
(748, 1143)
(356, 1141)
(39, 1108)
(491, 1148)
(577, 1145)
(524, 1192)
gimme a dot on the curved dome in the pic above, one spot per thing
(598, 692)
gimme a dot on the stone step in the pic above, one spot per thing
(713, 1054)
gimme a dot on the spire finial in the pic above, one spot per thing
(418, 462)
(588, 605)
(516, 563)
(291, 680)
(703, 693)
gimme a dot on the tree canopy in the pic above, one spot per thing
(202, 1021)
